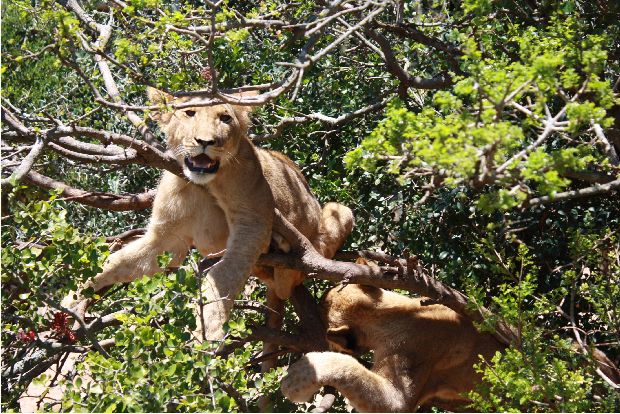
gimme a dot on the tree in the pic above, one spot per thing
(480, 144)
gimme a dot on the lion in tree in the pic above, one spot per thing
(224, 206)
(424, 354)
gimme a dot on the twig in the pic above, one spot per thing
(106, 201)
(551, 125)
(581, 343)
(595, 190)
(334, 121)
(104, 33)
(80, 321)
(609, 149)
(26, 165)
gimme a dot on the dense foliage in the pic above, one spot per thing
(481, 136)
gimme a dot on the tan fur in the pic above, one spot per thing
(230, 209)
(422, 353)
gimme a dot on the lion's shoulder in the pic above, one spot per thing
(276, 163)
(286, 160)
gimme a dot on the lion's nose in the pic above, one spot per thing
(205, 142)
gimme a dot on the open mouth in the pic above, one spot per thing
(202, 164)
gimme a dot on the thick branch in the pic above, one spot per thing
(327, 401)
(90, 149)
(152, 156)
(410, 277)
(130, 157)
(13, 122)
(391, 63)
(137, 151)
(609, 149)
(311, 326)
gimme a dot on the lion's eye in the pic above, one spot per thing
(225, 118)
(190, 113)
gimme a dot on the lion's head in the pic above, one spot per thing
(345, 311)
(203, 139)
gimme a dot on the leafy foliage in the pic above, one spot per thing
(484, 178)
(155, 364)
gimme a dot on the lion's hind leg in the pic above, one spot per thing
(336, 225)
(285, 280)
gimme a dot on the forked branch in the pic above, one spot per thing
(408, 274)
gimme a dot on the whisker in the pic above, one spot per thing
(179, 150)
(233, 157)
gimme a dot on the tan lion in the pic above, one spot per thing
(423, 354)
(227, 205)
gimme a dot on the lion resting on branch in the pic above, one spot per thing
(422, 353)
(227, 207)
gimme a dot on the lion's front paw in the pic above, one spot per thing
(301, 381)
(71, 301)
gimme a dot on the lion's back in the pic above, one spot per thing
(291, 191)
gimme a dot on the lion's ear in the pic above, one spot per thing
(157, 97)
(342, 338)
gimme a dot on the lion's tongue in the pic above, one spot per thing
(202, 161)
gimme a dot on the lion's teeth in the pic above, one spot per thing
(202, 161)
(202, 164)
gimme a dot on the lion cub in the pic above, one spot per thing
(224, 206)
(422, 353)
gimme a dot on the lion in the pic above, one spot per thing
(423, 354)
(224, 206)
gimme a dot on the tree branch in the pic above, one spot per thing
(328, 399)
(409, 31)
(333, 121)
(104, 33)
(409, 276)
(609, 149)
(88, 148)
(145, 153)
(129, 157)
(550, 126)
(592, 177)
(595, 190)
(406, 80)
(106, 201)
(25, 166)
